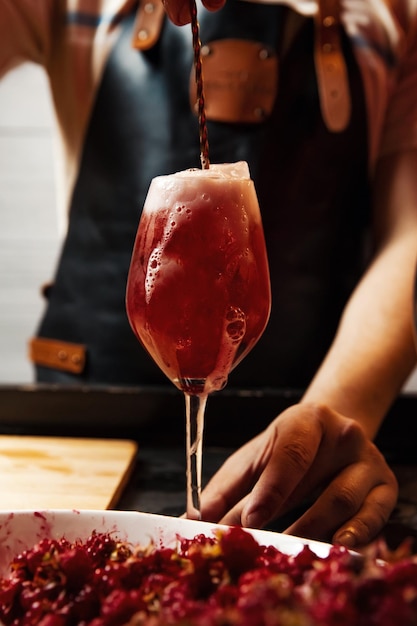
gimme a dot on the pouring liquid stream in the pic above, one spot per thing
(202, 122)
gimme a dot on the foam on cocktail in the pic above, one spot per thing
(240, 169)
(186, 190)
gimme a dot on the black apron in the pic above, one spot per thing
(312, 187)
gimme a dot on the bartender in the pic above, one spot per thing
(330, 135)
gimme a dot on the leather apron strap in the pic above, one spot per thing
(148, 24)
(332, 74)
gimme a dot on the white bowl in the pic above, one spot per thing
(20, 530)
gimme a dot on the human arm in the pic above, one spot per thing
(373, 351)
(325, 443)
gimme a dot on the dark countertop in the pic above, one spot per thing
(154, 417)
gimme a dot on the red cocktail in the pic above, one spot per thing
(198, 292)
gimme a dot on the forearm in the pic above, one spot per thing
(373, 352)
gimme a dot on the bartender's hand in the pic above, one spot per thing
(307, 449)
(179, 11)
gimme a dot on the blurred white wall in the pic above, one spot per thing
(411, 385)
(29, 239)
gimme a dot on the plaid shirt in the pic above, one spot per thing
(72, 38)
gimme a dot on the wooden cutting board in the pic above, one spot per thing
(63, 473)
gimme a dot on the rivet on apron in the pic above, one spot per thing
(328, 21)
(264, 54)
(142, 34)
(259, 113)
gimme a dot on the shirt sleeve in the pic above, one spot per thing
(25, 31)
(400, 130)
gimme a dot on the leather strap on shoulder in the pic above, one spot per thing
(148, 23)
(332, 75)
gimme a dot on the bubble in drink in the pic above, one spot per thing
(235, 324)
(198, 295)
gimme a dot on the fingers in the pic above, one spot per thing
(228, 485)
(353, 509)
(306, 450)
(313, 445)
(296, 445)
(233, 516)
(256, 482)
(369, 520)
(222, 497)
(214, 5)
(179, 11)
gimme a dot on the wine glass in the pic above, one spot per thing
(198, 291)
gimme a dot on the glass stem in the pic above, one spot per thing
(195, 408)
